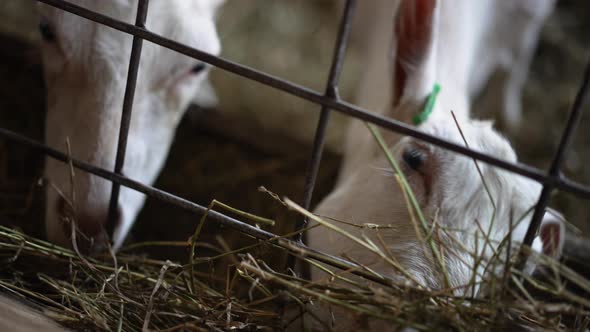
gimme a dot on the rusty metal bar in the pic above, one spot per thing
(533, 173)
(135, 58)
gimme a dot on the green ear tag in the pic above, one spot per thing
(421, 117)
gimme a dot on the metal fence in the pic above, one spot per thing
(551, 180)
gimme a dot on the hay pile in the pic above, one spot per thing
(132, 293)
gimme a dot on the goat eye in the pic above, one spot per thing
(198, 68)
(46, 30)
(414, 158)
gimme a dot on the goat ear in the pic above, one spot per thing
(552, 233)
(414, 49)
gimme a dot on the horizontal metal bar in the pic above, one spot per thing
(293, 246)
(533, 173)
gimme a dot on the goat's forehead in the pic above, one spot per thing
(482, 137)
(479, 135)
(161, 15)
(120, 8)
(186, 21)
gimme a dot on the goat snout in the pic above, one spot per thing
(92, 227)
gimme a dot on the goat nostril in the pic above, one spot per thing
(89, 226)
(93, 227)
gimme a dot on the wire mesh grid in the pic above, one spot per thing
(329, 101)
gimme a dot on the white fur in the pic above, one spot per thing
(86, 71)
(451, 194)
(466, 45)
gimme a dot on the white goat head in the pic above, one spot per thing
(86, 68)
(466, 208)
(466, 217)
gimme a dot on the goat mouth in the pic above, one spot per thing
(85, 244)
(81, 232)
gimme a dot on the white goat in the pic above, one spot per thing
(477, 39)
(86, 67)
(456, 43)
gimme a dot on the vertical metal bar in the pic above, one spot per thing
(142, 9)
(555, 169)
(320, 133)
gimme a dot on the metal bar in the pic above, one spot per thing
(555, 169)
(222, 219)
(320, 133)
(313, 166)
(134, 59)
(315, 97)
(332, 93)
